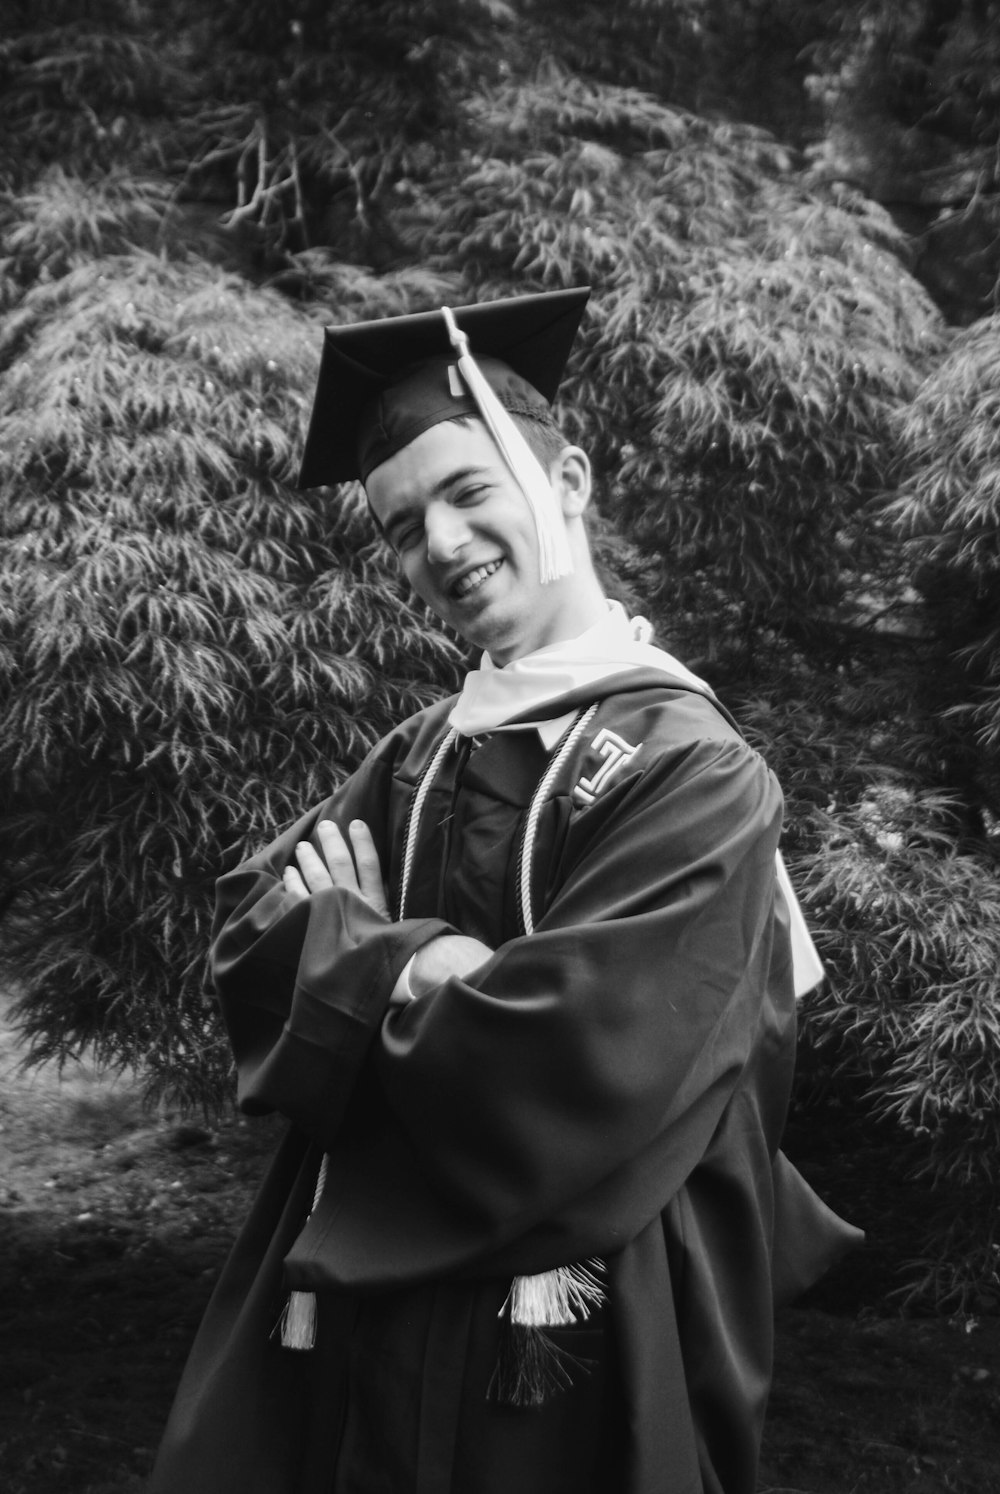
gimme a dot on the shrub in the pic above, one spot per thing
(83, 86)
(190, 650)
(909, 927)
(947, 510)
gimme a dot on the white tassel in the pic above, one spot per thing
(298, 1321)
(554, 556)
(531, 1367)
(554, 1299)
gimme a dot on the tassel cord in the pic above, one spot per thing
(554, 556)
(296, 1327)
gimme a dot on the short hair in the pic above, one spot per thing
(540, 431)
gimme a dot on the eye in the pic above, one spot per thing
(406, 537)
(404, 530)
(471, 494)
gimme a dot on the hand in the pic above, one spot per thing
(448, 954)
(337, 867)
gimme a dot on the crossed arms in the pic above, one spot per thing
(335, 866)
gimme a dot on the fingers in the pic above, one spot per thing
(369, 867)
(294, 883)
(335, 866)
(338, 856)
(312, 868)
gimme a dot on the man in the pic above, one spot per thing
(524, 988)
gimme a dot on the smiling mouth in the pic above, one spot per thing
(473, 580)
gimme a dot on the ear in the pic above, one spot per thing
(570, 477)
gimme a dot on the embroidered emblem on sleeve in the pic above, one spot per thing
(617, 754)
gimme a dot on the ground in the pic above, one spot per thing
(115, 1222)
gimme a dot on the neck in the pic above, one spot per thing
(585, 606)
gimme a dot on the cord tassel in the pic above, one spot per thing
(298, 1321)
(296, 1326)
(530, 1367)
(554, 1299)
(554, 557)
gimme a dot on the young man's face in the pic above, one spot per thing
(465, 538)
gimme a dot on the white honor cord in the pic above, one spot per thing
(537, 800)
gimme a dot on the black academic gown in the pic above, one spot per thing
(612, 1084)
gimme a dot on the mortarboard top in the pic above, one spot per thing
(381, 383)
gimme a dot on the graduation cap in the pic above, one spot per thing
(382, 383)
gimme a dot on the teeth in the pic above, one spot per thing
(475, 578)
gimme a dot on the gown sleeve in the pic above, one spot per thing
(304, 982)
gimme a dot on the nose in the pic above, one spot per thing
(446, 529)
